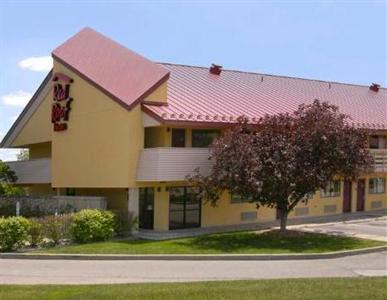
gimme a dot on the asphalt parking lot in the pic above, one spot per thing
(371, 228)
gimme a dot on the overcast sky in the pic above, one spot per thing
(331, 40)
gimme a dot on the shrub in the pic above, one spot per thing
(56, 228)
(7, 189)
(36, 233)
(125, 223)
(93, 225)
(13, 233)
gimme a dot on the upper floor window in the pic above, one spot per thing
(178, 137)
(332, 189)
(377, 142)
(235, 198)
(376, 185)
(203, 138)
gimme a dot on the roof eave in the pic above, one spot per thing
(106, 92)
(6, 143)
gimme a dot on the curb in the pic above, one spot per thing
(198, 257)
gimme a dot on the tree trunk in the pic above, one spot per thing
(284, 220)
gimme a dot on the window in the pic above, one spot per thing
(377, 185)
(307, 196)
(70, 192)
(178, 137)
(146, 208)
(154, 137)
(331, 190)
(184, 208)
(203, 138)
(377, 142)
(235, 198)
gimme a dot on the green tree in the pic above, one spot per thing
(23, 154)
(6, 174)
(7, 178)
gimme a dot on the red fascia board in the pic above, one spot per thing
(154, 103)
(182, 123)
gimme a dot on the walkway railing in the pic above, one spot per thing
(380, 159)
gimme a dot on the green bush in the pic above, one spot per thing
(13, 233)
(36, 233)
(7, 189)
(125, 223)
(93, 225)
(56, 228)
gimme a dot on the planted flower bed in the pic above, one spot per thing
(49, 231)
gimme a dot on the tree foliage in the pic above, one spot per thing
(7, 177)
(24, 154)
(285, 158)
(6, 174)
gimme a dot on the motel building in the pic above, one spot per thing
(110, 123)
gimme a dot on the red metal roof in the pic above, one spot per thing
(199, 97)
(122, 74)
(195, 95)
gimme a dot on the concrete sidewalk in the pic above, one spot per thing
(193, 257)
(374, 228)
(15, 271)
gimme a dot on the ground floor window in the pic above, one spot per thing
(146, 203)
(70, 192)
(331, 190)
(184, 208)
(377, 185)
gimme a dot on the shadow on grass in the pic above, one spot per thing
(270, 242)
(292, 241)
(250, 242)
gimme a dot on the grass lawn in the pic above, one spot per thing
(332, 288)
(236, 242)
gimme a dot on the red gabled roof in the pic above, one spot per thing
(198, 97)
(201, 98)
(120, 73)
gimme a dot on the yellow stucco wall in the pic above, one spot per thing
(156, 137)
(40, 190)
(369, 198)
(101, 146)
(161, 209)
(38, 128)
(159, 94)
(227, 213)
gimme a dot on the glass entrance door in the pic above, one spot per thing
(184, 208)
(146, 208)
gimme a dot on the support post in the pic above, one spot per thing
(133, 208)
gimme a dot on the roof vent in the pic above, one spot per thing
(215, 69)
(375, 87)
